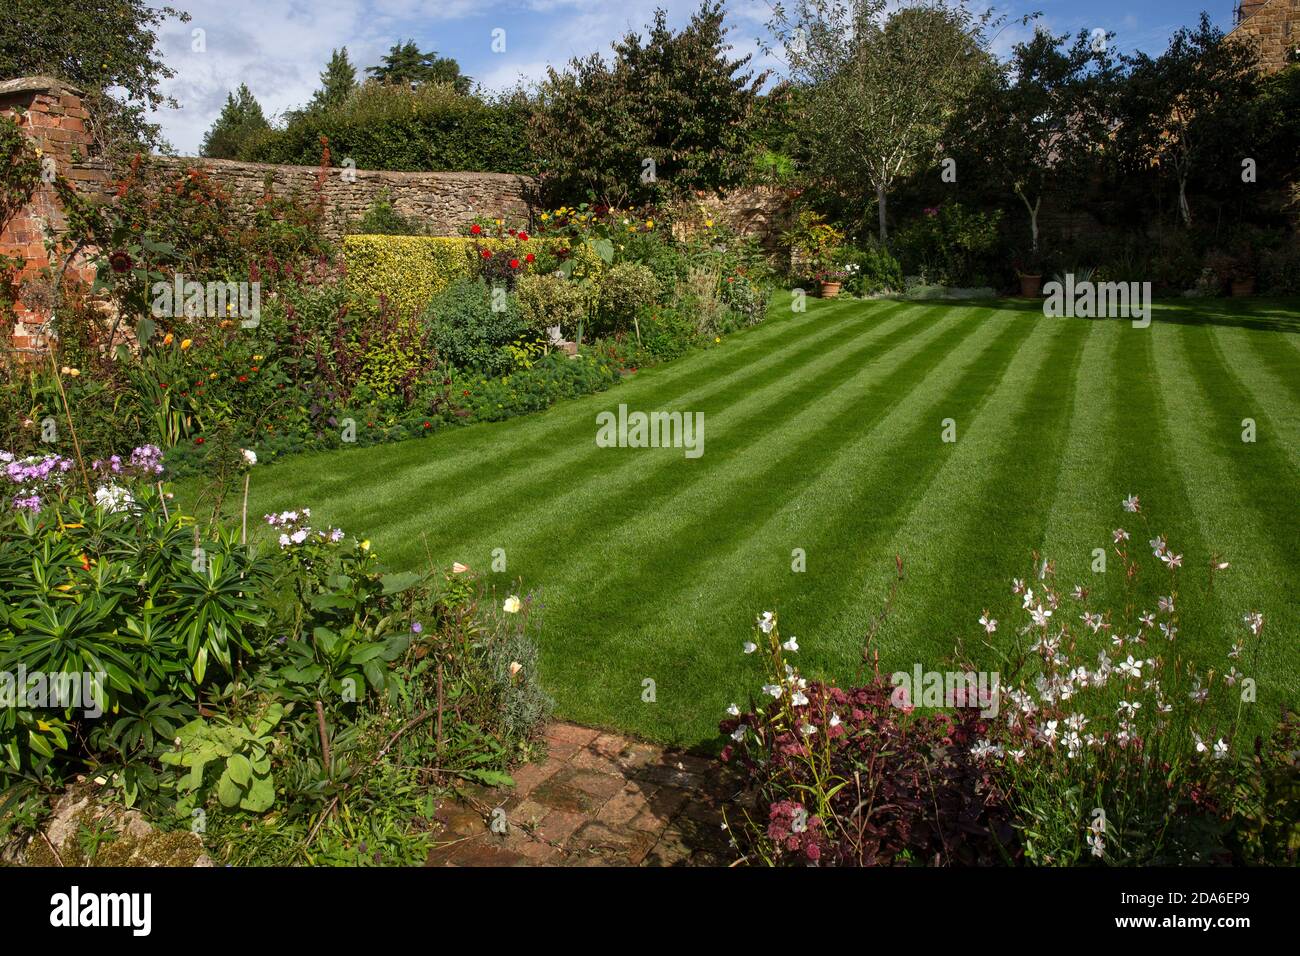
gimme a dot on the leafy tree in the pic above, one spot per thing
(881, 86)
(1179, 109)
(336, 83)
(665, 117)
(405, 64)
(108, 48)
(1042, 116)
(240, 118)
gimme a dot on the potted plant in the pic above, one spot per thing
(1234, 268)
(831, 281)
(815, 249)
(1030, 270)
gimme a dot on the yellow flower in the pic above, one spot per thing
(186, 343)
(708, 224)
(649, 223)
(365, 545)
(717, 339)
(511, 605)
(167, 339)
(213, 375)
(257, 358)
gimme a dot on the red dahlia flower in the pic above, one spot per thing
(475, 229)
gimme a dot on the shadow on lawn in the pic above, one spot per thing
(1260, 315)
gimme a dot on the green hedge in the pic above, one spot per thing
(451, 134)
(411, 270)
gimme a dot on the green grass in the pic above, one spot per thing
(822, 432)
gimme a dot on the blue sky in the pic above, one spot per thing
(279, 47)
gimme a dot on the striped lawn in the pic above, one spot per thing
(823, 433)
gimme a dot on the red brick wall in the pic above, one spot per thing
(52, 114)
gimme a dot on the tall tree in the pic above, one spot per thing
(1177, 106)
(240, 118)
(405, 64)
(882, 85)
(337, 81)
(1042, 115)
(108, 48)
(665, 116)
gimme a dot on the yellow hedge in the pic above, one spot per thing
(411, 270)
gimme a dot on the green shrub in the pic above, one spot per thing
(468, 332)
(951, 245)
(547, 301)
(382, 219)
(1280, 269)
(871, 268)
(625, 290)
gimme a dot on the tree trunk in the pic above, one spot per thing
(1183, 208)
(881, 200)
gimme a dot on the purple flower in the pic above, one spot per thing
(417, 628)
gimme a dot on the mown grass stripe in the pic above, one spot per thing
(470, 455)
(749, 561)
(1230, 483)
(580, 466)
(1271, 376)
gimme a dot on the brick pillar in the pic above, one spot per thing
(52, 114)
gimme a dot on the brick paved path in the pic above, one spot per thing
(597, 800)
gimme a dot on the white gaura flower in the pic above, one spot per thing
(1076, 721)
(1147, 619)
(512, 604)
(733, 710)
(1016, 755)
(835, 720)
(984, 749)
(1129, 707)
(1040, 616)
(1131, 504)
(739, 733)
(766, 622)
(1130, 667)
(1171, 559)
(1158, 545)
(791, 645)
(807, 729)
(1170, 631)
(1073, 743)
(1028, 598)
(1167, 605)
(250, 456)
(1047, 732)
(1017, 586)
(799, 699)
(1200, 744)
(1220, 749)
(458, 568)
(515, 668)
(773, 689)
(989, 624)
(1119, 534)
(1255, 621)
(1232, 677)
(749, 647)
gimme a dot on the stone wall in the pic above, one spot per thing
(1274, 25)
(440, 202)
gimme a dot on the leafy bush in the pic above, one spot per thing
(1108, 731)
(382, 219)
(846, 778)
(871, 268)
(953, 245)
(549, 301)
(625, 289)
(469, 332)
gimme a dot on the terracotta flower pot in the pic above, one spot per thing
(1031, 287)
(1242, 287)
(830, 289)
